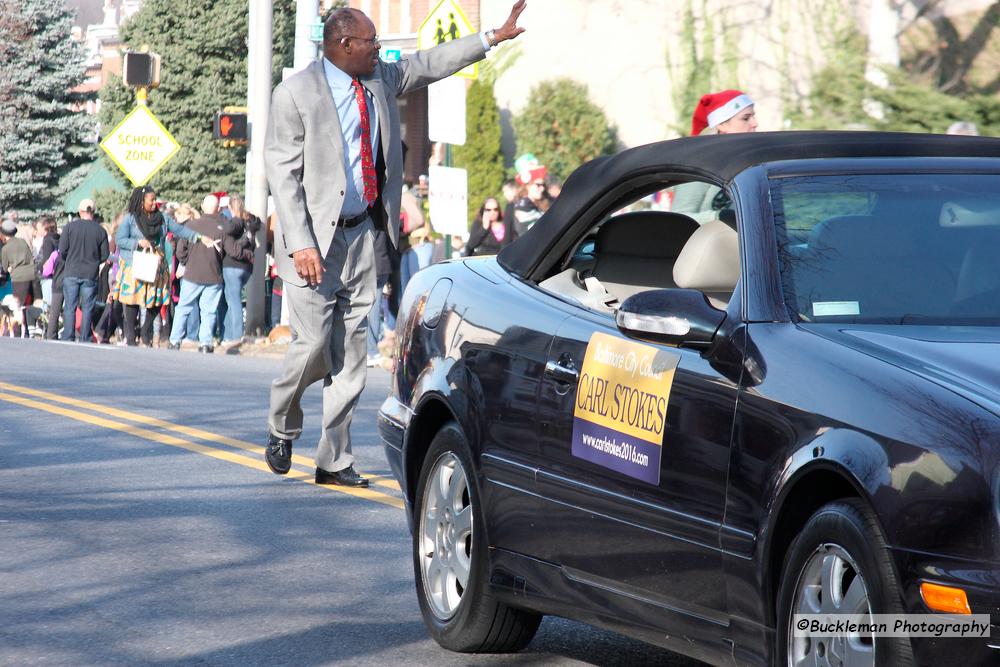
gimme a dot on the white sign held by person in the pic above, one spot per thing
(448, 192)
(446, 111)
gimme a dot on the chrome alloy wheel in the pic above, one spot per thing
(830, 583)
(445, 538)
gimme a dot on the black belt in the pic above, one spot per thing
(355, 221)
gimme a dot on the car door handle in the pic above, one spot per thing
(559, 373)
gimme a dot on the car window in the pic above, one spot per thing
(805, 210)
(890, 248)
(641, 243)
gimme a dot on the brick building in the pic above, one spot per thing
(101, 42)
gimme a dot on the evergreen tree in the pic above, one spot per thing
(203, 46)
(13, 32)
(44, 141)
(914, 107)
(695, 65)
(837, 92)
(481, 156)
(840, 91)
(985, 110)
(109, 202)
(562, 127)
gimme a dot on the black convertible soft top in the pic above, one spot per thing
(721, 158)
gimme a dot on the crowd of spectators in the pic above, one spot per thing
(79, 282)
(82, 282)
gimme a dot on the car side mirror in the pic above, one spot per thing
(682, 317)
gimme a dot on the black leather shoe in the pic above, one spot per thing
(278, 454)
(207, 349)
(174, 346)
(345, 477)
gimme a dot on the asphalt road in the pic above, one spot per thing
(139, 525)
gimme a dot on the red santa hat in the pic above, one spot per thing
(532, 174)
(715, 108)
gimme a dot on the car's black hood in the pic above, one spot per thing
(964, 359)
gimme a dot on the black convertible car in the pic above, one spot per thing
(692, 425)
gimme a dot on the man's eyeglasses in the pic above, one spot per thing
(372, 41)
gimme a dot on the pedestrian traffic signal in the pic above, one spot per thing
(141, 69)
(231, 127)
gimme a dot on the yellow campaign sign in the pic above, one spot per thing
(621, 405)
(140, 145)
(445, 23)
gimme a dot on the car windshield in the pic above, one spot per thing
(890, 248)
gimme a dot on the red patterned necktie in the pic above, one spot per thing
(367, 159)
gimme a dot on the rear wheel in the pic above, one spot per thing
(450, 561)
(839, 564)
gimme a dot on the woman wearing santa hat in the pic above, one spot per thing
(725, 112)
(528, 209)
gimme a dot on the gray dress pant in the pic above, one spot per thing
(329, 325)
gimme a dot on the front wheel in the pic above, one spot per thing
(450, 560)
(839, 564)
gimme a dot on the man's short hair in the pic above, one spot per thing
(963, 127)
(210, 204)
(340, 23)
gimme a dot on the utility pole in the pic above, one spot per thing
(308, 34)
(259, 104)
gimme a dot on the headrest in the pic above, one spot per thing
(710, 260)
(861, 236)
(956, 214)
(645, 234)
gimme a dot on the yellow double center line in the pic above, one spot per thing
(53, 404)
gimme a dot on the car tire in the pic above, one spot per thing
(449, 544)
(839, 563)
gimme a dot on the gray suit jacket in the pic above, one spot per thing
(304, 147)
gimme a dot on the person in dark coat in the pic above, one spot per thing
(201, 286)
(50, 269)
(239, 245)
(490, 232)
(47, 243)
(83, 248)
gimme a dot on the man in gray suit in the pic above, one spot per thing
(335, 169)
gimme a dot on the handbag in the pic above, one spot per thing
(145, 265)
(49, 267)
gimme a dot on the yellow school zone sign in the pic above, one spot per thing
(445, 23)
(140, 145)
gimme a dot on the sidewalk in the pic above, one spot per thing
(275, 345)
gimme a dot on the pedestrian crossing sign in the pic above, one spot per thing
(445, 23)
(140, 145)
